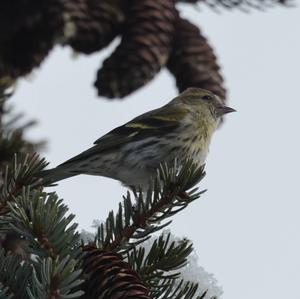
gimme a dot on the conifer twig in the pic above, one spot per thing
(134, 223)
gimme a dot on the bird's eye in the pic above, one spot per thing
(207, 98)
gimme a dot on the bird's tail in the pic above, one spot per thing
(51, 176)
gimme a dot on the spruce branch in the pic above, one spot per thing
(56, 279)
(17, 175)
(52, 240)
(18, 162)
(159, 268)
(15, 275)
(176, 289)
(12, 139)
(184, 290)
(135, 222)
(12, 130)
(162, 262)
(41, 219)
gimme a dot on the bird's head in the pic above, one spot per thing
(204, 102)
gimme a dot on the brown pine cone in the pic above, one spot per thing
(144, 49)
(193, 62)
(96, 23)
(28, 32)
(106, 274)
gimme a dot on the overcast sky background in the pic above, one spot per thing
(245, 228)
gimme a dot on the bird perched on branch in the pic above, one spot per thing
(131, 153)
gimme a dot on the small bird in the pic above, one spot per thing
(131, 153)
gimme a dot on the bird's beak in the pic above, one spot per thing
(224, 110)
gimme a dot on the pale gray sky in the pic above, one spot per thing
(246, 226)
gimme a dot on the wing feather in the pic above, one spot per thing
(154, 123)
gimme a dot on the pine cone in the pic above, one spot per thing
(28, 32)
(108, 275)
(96, 23)
(193, 62)
(144, 49)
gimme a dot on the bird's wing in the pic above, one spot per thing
(154, 123)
